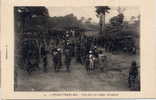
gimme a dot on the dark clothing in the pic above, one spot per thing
(45, 63)
(43, 51)
(56, 60)
(60, 58)
(32, 65)
(133, 73)
(95, 52)
(67, 54)
(78, 54)
(32, 58)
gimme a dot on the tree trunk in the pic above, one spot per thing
(103, 27)
(101, 24)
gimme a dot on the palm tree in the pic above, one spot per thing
(101, 12)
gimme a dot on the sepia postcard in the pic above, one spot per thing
(57, 49)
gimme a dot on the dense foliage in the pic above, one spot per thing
(37, 22)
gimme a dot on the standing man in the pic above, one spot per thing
(133, 74)
(44, 58)
(55, 55)
(24, 53)
(32, 58)
(59, 57)
(67, 53)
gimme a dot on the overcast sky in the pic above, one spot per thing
(89, 12)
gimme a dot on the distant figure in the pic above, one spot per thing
(133, 74)
(60, 57)
(90, 62)
(24, 51)
(56, 62)
(78, 53)
(95, 51)
(67, 53)
(133, 50)
(32, 59)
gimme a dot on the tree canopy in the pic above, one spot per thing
(70, 22)
(102, 9)
(26, 17)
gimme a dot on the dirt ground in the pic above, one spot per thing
(113, 79)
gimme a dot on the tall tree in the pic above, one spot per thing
(33, 19)
(101, 12)
(24, 15)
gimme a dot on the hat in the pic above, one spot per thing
(58, 49)
(90, 51)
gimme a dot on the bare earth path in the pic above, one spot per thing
(114, 79)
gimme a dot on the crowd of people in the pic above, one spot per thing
(83, 49)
